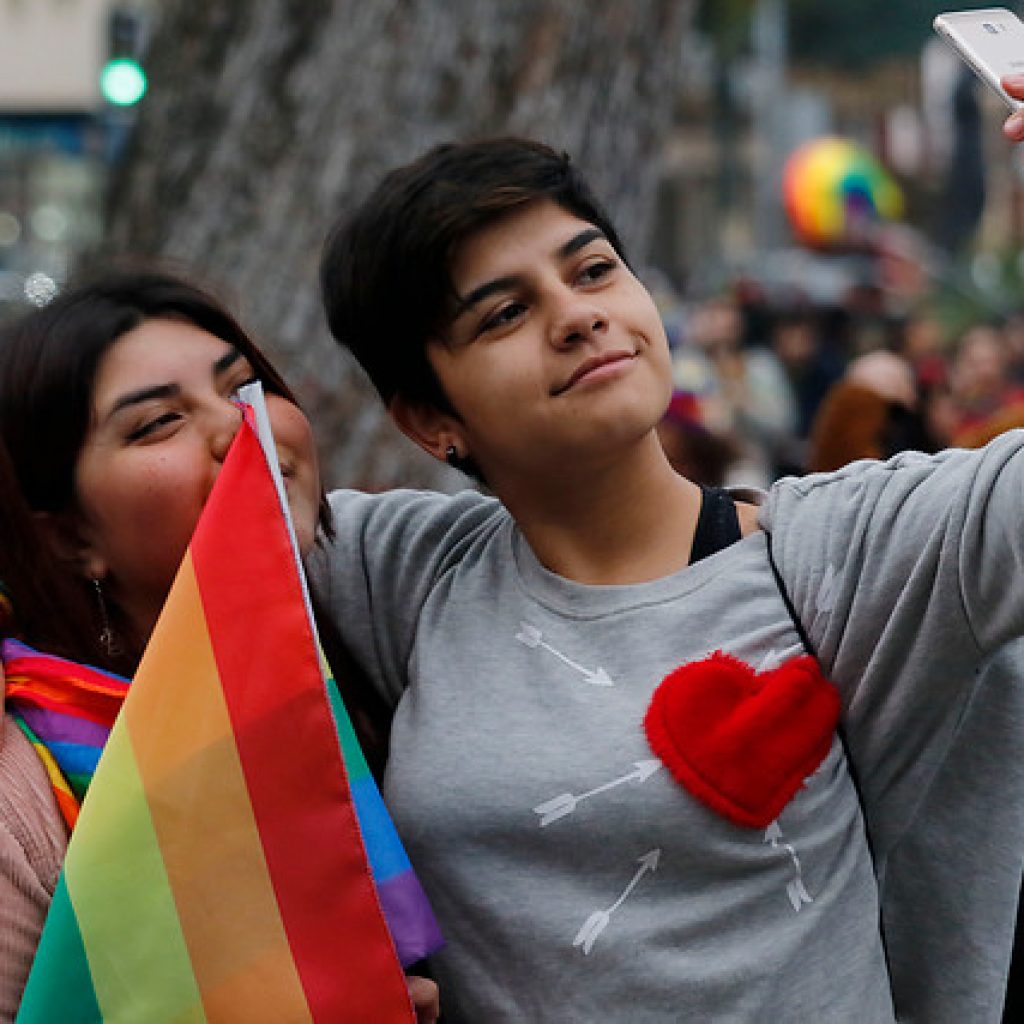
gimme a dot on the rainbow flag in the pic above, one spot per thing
(220, 869)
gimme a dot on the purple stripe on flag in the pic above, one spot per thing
(409, 917)
(60, 728)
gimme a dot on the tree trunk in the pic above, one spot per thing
(264, 120)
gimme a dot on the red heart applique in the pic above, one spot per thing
(740, 741)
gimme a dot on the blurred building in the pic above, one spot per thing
(58, 133)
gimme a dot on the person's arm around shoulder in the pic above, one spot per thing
(372, 578)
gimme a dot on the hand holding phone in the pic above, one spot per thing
(991, 41)
(1013, 126)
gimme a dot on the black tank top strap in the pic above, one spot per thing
(718, 525)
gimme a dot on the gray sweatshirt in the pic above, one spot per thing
(576, 881)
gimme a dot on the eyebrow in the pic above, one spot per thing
(501, 284)
(577, 242)
(130, 398)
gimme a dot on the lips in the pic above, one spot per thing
(589, 365)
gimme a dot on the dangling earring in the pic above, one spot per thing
(107, 639)
(451, 456)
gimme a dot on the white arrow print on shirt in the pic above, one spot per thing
(795, 890)
(531, 636)
(599, 919)
(565, 803)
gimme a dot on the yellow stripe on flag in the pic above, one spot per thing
(121, 898)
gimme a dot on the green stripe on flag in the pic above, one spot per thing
(351, 749)
(122, 899)
(352, 752)
(60, 985)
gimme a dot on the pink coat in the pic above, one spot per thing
(33, 839)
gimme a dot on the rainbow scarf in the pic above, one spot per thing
(233, 860)
(66, 710)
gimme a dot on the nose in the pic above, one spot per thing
(578, 319)
(225, 420)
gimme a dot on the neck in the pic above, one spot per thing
(628, 521)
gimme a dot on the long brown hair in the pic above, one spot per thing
(48, 602)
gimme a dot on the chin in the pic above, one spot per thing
(636, 417)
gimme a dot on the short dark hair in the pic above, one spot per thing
(49, 359)
(385, 274)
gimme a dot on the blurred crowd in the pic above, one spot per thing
(764, 390)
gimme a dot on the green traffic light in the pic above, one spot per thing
(123, 82)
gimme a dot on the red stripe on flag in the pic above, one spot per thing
(273, 688)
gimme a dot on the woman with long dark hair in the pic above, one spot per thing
(117, 408)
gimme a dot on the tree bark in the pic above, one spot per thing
(265, 120)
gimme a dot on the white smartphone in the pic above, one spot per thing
(991, 41)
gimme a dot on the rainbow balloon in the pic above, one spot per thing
(835, 192)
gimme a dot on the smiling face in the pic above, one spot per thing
(162, 421)
(556, 356)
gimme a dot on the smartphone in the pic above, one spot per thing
(991, 41)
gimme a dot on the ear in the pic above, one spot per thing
(434, 431)
(68, 539)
